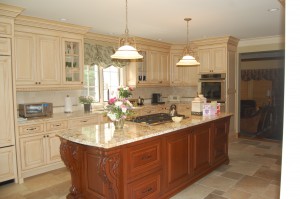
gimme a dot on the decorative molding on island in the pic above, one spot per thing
(143, 161)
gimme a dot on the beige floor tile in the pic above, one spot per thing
(214, 196)
(232, 175)
(195, 191)
(244, 167)
(268, 174)
(272, 192)
(218, 182)
(237, 194)
(252, 184)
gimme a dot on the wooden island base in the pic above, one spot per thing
(156, 167)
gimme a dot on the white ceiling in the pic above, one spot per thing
(164, 19)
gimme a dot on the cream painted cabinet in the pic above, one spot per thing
(158, 68)
(39, 147)
(40, 150)
(8, 167)
(212, 60)
(182, 76)
(32, 152)
(153, 70)
(72, 61)
(6, 105)
(37, 60)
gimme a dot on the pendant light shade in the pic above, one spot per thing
(188, 59)
(126, 50)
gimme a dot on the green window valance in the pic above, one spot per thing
(100, 55)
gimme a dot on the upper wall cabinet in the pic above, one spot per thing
(37, 59)
(213, 60)
(182, 76)
(152, 70)
(72, 61)
(47, 55)
(213, 54)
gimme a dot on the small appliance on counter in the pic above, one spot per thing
(30, 110)
(197, 105)
(156, 98)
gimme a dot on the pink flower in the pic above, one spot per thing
(112, 100)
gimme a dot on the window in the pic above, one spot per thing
(91, 82)
(102, 83)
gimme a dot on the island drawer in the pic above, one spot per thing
(144, 158)
(57, 125)
(82, 121)
(147, 187)
(31, 129)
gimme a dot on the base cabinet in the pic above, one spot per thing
(39, 145)
(8, 166)
(178, 158)
(153, 168)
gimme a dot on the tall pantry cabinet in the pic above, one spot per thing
(8, 169)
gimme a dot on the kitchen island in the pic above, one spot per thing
(142, 161)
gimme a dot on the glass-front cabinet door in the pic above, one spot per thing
(72, 61)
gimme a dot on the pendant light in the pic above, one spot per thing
(187, 59)
(126, 51)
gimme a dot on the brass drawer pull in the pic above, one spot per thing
(146, 157)
(147, 190)
(31, 129)
(84, 121)
(58, 125)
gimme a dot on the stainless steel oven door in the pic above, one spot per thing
(213, 90)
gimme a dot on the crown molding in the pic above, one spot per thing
(10, 11)
(49, 24)
(217, 40)
(277, 39)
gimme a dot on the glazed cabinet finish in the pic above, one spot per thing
(6, 105)
(157, 167)
(182, 76)
(153, 70)
(8, 167)
(213, 60)
(39, 146)
(37, 59)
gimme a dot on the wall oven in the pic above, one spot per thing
(213, 86)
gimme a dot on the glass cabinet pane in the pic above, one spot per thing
(72, 62)
(142, 68)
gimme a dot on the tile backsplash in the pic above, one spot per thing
(58, 97)
(55, 97)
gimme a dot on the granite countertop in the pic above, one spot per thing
(106, 136)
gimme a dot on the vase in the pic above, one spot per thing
(87, 107)
(119, 124)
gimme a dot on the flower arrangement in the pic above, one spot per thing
(86, 99)
(118, 108)
(125, 92)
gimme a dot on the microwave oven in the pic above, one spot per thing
(213, 87)
(42, 109)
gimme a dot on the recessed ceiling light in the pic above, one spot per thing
(273, 9)
(63, 19)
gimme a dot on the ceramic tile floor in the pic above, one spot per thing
(253, 173)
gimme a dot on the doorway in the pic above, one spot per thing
(261, 95)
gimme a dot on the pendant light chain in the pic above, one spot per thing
(127, 49)
(187, 36)
(187, 59)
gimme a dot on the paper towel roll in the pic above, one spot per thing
(68, 104)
